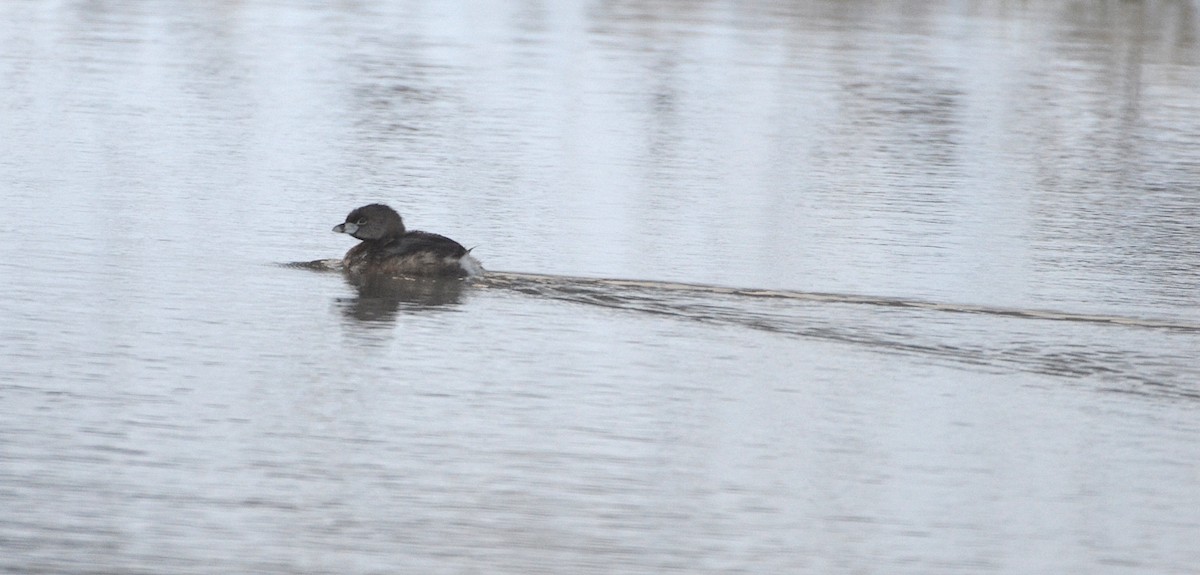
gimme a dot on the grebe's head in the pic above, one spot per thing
(372, 222)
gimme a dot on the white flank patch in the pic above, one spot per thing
(471, 265)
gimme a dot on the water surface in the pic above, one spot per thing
(779, 288)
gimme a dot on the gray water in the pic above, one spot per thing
(778, 287)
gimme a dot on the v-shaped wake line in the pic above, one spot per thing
(527, 280)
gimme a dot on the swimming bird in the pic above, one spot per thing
(387, 248)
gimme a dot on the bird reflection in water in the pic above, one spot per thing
(380, 298)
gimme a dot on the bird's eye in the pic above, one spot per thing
(361, 221)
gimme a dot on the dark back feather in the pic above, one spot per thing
(418, 241)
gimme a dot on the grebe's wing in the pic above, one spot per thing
(418, 241)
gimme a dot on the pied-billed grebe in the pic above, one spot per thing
(388, 249)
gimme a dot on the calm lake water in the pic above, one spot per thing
(963, 240)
